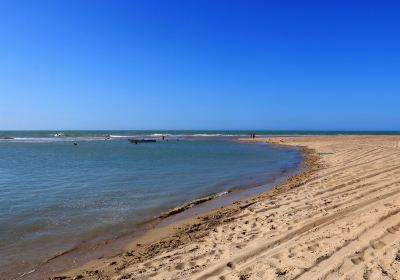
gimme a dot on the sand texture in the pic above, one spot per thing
(340, 219)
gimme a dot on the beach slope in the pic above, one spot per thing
(339, 219)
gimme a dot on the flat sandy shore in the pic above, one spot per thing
(339, 219)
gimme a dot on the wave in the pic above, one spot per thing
(49, 139)
(206, 135)
(216, 135)
(120, 136)
(160, 135)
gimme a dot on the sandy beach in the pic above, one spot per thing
(338, 219)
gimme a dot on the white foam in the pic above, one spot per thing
(160, 135)
(215, 135)
(50, 139)
(119, 136)
(206, 135)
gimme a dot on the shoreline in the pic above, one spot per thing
(112, 246)
(176, 222)
(337, 220)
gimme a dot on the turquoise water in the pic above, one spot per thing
(54, 195)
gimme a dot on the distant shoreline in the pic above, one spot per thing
(157, 134)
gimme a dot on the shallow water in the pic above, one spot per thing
(54, 195)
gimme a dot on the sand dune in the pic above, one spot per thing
(338, 220)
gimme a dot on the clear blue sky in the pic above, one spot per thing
(199, 64)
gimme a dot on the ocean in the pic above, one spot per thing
(61, 189)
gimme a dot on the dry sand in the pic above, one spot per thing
(340, 219)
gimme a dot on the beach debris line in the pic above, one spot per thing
(191, 204)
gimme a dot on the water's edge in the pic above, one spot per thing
(82, 253)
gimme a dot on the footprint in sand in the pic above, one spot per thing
(394, 229)
(377, 244)
(356, 260)
(179, 266)
(230, 265)
(313, 247)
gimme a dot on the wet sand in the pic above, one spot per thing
(339, 219)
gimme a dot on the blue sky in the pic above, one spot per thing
(331, 65)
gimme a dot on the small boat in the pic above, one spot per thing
(137, 141)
